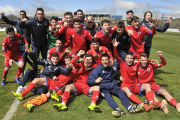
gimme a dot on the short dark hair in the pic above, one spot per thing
(23, 12)
(146, 13)
(68, 13)
(143, 55)
(9, 29)
(54, 18)
(134, 18)
(120, 25)
(94, 40)
(75, 13)
(55, 54)
(129, 11)
(104, 21)
(40, 9)
(59, 38)
(79, 10)
(104, 55)
(67, 57)
(129, 53)
(88, 55)
(76, 20)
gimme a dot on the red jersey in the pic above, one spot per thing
(11, 48)
(146, 75)
(98, 59)
(137, 38)
(78, 39)
(105, 39)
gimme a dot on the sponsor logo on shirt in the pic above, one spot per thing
(110, 35)
(139, 33)
(103, 71)
(148, 69)
(82, 36)
(72, 35)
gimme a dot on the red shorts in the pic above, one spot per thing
(17, 59)
(154, 87)
(131, 88)
(81, 88)
(137, 89)
(52, 84)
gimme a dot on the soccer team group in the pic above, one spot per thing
(78, 57)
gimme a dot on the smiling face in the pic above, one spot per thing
(11, 35)
(143, 61)
(105, 61)
(53, 23)
(54, 60)
(88, 61)
(79, 15)
(105, 27)
(69, 19)
(39, 15)
(135, 24)
(95, 46)
(129, 59)
(120, 31)
(129, 16)
(59, 44)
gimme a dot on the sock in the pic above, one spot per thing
(59, 93)
(95, 97)
(173, 102)
(66, 96)
(28, 89)
(134, 99)
(149, 96)
(4, 74)
(18, 71)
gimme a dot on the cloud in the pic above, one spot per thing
(7, 9)
(171, 1)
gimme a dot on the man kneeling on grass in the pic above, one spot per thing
(104, 76)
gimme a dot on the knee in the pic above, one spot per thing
(96, 88)
(21, 64)
(69, 87)
(35, 81)
(28, 71)
(6, 69)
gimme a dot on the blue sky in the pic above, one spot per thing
(169, 7)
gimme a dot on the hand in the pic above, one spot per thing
(65, 24)
(154, 23)
(50, 29)
(96, 26)
(95, 55)
(100, 49)
(2, 14)
(114, 42)
(81, 52)
(143, 42)
(154, 61)
(81, 60)
(169, 20)
(159, 53)
(121, 78)
(130, 32)
(70, 65)
(67, 50)
(54, 78)
(42, 70)
(110, 62)
(58, 27)
(24, 20)
(98, 80)
(11, 62)
(27, 50)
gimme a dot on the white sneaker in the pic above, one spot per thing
(20, 89)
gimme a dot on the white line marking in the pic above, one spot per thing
(13, 107)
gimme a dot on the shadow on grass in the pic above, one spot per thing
(158, 71)
(71, 99)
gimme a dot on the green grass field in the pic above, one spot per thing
(167, 77)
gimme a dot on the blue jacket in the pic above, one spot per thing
(24, 32)
(50, 70)
(106, 73)
(148, 38)
(38, 31)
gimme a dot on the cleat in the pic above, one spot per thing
(152, 105)
(118, 112)
(19, 82)
(138, 107)
(30, 107)
(60, 107)
(146, 101)
(94, 107)
(18, 95)
(163, 106)
(3, 82)
(21, 76)
(146, 107)
(54, 96)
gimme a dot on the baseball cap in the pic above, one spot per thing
(89, 19)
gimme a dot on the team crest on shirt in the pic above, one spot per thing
(124, 37)
(45, 23)
(139, 73)
(148, 69)
(82, 36)
(110, 35)
(57, 88)
(38, 24)
(134, 68)
(9, 44)
(139, 33)
(72, 35)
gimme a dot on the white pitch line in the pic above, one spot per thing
(13, 107)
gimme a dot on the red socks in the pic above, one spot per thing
(173, 102)
(95, 97)
(149, 96)
(28, 89)
(66, 96)
(59, 93)
(4, 74)
(18, 71)
(135, 99)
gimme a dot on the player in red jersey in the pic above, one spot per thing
(81, 87)
(137, 33)
(146, 75)
(78, 37)
(60, 50)
(129, 72)
(12, 53)
(66, 27)
(106, 34)
(97, 50)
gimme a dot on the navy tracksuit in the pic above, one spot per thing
(109, 85)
